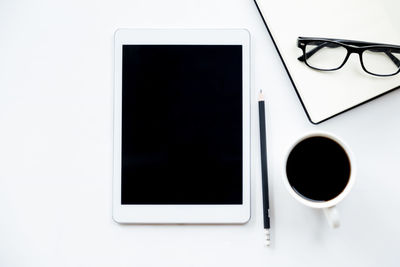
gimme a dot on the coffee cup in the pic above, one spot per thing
(319, 172)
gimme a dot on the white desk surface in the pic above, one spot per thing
(56, 87)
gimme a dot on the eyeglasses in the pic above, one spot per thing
(331, 54)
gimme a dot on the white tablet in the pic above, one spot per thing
(182, 126)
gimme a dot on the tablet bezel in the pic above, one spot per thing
(197, 214)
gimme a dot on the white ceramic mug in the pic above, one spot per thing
(329, 207)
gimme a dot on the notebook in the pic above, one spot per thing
(327, 94)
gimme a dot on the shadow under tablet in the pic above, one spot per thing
(182, 124)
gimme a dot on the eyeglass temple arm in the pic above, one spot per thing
(395, 60)
(315, 50)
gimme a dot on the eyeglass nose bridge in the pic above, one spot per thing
(354, 50)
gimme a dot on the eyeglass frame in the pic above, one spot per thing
(351, 46)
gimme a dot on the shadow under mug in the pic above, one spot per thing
(303, 166)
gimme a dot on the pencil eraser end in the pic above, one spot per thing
(267, 237)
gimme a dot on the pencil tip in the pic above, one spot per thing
(260, 96)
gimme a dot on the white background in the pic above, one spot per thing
(56, 88)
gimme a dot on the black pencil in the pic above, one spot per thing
(264, 170)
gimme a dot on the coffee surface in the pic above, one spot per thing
(318, 168)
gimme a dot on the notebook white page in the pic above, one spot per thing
(325, 94)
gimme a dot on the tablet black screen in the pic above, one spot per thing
(181, 124)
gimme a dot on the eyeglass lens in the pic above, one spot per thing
(381, 61)
(324, 55)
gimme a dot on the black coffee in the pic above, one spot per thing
(318, 168)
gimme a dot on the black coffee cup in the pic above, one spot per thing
(319, 172)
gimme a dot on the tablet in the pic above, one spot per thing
(181, 126)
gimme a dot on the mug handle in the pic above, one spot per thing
(332, 215)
